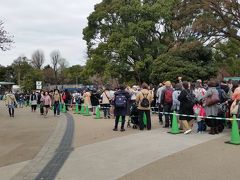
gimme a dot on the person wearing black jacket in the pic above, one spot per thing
(95, 97)
(186, 107)
(34, 101)
(121, 99)
(40, 101)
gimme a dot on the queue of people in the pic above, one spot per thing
(199, 101)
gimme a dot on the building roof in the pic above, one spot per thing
(232, 78)
(7, 83)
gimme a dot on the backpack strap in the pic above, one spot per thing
(145, 94)
(106, 95)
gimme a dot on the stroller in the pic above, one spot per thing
(133, 116)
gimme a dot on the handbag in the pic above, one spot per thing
(213, 99)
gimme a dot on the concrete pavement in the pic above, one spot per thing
(22, 137)
(100, 153)
(31, 140)
(213, 160)
(117, 157)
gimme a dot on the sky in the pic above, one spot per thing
(47, 25)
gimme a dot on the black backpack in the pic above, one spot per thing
(191, 98)
(145, 102)
(120, 101)
(222, 95)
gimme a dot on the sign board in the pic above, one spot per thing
(39, 85)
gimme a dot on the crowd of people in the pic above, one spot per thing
(197, 101)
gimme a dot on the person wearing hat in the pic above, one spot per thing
(167, 101)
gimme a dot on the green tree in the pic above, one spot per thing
(29, 80)
(146, 40)
(228, 57)
(191, 61)
(3, 71)
(21, 67)
(124, 37)
(75, 75)
(25, 74)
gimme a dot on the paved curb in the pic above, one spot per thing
(61, 154)
(36, 168)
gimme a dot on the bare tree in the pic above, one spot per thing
(5, 39)
(38, 59)
(63, 64)
(55, 58)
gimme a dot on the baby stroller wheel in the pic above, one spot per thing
(134, 126)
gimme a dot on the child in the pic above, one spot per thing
(199, 111)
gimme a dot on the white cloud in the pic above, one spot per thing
(46, 25)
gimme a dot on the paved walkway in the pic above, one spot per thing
(48, 158)
(96, 152)
(23, 136)
(213, 160)
(117, 157)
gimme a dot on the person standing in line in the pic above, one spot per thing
(211, 101)
(33, 101)
(199, 91)
(40, 102)
(10, 102)
(111, 110)
(47, 101)
(152, 91)
(56, 102)
(144, 99)
(66, 98)
(176, 103)
(120, 101)
(176, 93)
(167, 101)
(21, 100)
(106, 101)
(159, 102)
(199, 111)
(186, 107)
(95, 97)
(87, 99)
(17, 97)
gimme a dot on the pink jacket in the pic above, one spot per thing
(47, 100)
